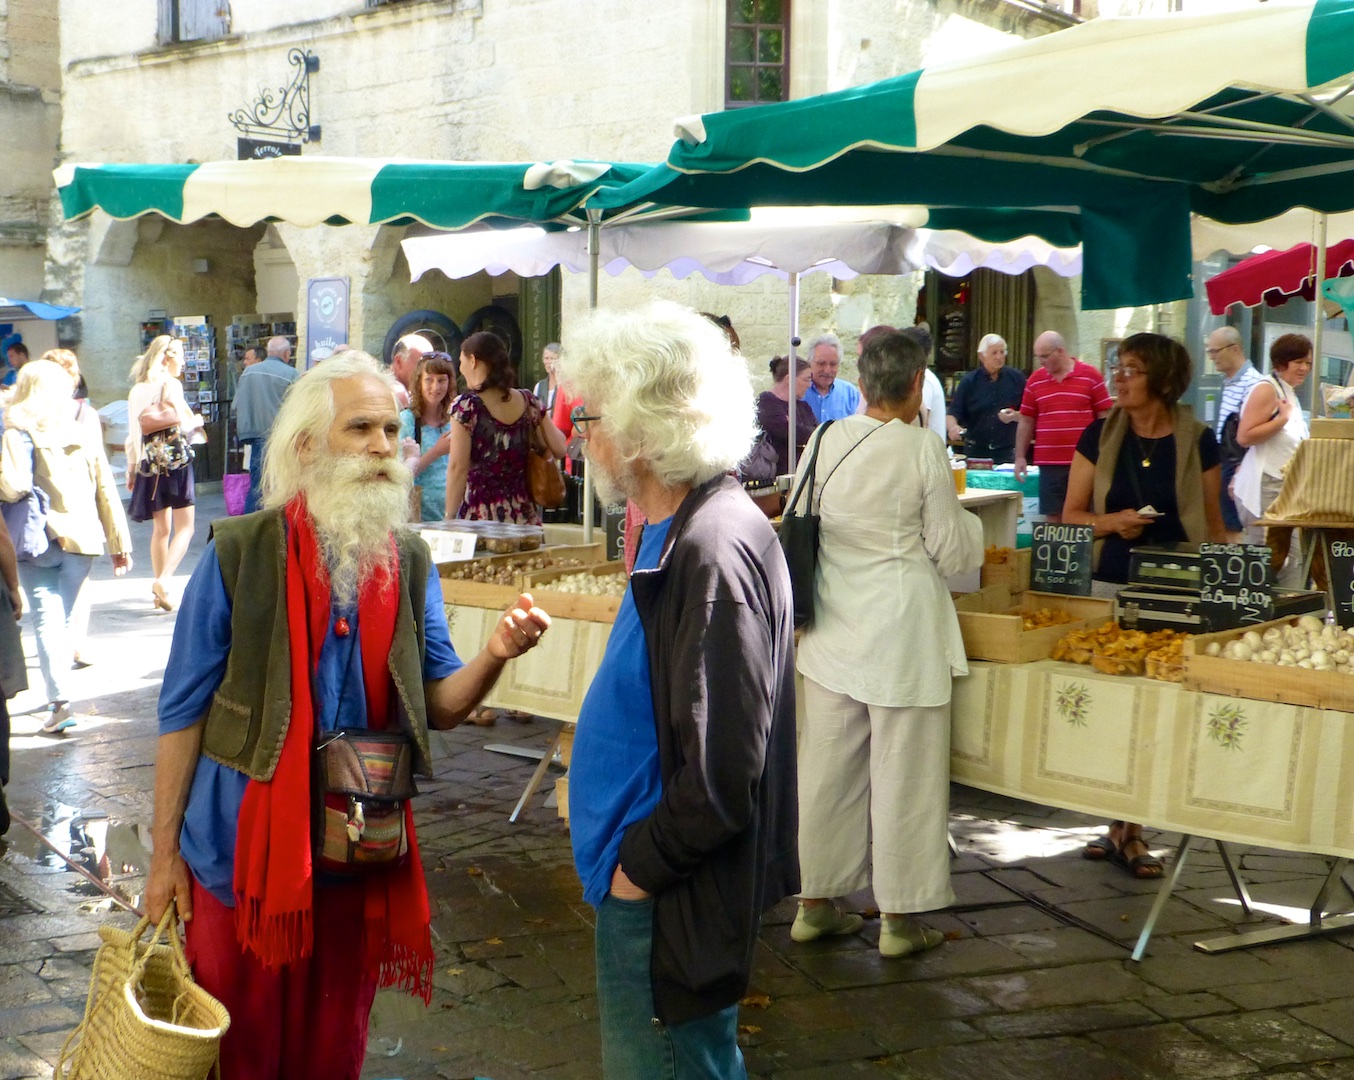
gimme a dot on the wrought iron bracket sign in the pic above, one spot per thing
(285, 112)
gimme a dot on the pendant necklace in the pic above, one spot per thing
(1146, 454)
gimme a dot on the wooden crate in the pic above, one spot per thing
(1014, 573)
(1001, 636)
(564, 605)
(587, 554)
(478, 594)
(988, 598)
(1263, 682)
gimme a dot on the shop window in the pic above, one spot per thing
(193, 20)
(756, 52)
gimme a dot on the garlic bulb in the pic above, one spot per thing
(1213, 648)
(1308, 623)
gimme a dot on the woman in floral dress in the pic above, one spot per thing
(490, 437)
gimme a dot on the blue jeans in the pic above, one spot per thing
(635, 1046)
(251, 499)
(52, 583)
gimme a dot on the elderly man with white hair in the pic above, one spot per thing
(682, 785)
(985, 408)
(310, 658)
(404, 361)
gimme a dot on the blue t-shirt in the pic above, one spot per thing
(613, 775)
(432, 481)
(197, 664)
(841, 401)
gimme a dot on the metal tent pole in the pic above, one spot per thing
(1319, 318)
(594, 261)
(794, 363)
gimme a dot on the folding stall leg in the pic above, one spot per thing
(1238, 886)
(1163, 894)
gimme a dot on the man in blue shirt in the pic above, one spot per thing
(258, 396)
(682, 785)
(829, 397)
(314, 619)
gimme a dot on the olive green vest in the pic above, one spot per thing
(250, 711)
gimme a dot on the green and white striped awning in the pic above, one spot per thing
(1109, 133)
(341, 191)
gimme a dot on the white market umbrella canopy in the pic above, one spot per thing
(844, 242)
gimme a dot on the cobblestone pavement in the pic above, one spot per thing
(1033, 984)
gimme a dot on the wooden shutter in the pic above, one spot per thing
(167, 19)
(203, 20)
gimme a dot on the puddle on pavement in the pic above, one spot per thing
(116, 854)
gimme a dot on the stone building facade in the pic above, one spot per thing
(30, 125)
(452, 80)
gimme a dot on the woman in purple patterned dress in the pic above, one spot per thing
(490, 436)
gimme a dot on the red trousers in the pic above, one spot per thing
(307, 1021)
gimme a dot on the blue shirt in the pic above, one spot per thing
(613, 776)
(432, 481)
(841, 401)
(197, 664)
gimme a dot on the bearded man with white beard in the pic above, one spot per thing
(310, 657)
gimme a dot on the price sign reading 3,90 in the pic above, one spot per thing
(1236, 585)
(1060, 558)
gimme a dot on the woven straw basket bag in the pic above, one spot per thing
(145, 1019)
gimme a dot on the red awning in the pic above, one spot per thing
(1274, 276)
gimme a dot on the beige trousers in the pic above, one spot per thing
(874, 792)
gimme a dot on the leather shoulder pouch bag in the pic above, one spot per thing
(363, 779)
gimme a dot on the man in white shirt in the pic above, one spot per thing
(404, 361)
(932, 412)
(1223, 346)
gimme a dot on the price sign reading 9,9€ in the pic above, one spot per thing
(1236, 585)
(1060, 558)
(1340, 561)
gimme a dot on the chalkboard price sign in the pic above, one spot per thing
(1060, 558)
(1340, 561)
(1236, 585)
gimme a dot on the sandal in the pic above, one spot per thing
(519, 716)
(1102, 847)
(482, 717)
(1145, 867)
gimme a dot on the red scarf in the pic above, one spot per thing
(274, 883)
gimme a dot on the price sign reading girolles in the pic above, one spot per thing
(1060, 558)
(1236, 585)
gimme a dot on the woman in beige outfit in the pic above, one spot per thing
(46, 449)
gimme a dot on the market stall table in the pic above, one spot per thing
(1317, 498)
(1136, 749)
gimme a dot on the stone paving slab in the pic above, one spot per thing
(1033, 984)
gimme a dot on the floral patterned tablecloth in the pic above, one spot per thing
(1250, 772)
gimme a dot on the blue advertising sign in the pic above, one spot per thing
(326, 318)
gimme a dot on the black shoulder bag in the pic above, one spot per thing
(799, 531)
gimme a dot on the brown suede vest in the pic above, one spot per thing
(251, 710)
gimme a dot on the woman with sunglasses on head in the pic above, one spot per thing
(1148, 473)
(425, 431)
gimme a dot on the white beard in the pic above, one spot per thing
(357, 502)
(611, 489)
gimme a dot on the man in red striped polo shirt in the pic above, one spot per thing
(1060, 399)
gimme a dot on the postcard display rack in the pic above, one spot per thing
(249, 332)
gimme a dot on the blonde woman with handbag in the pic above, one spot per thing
(159, 459)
